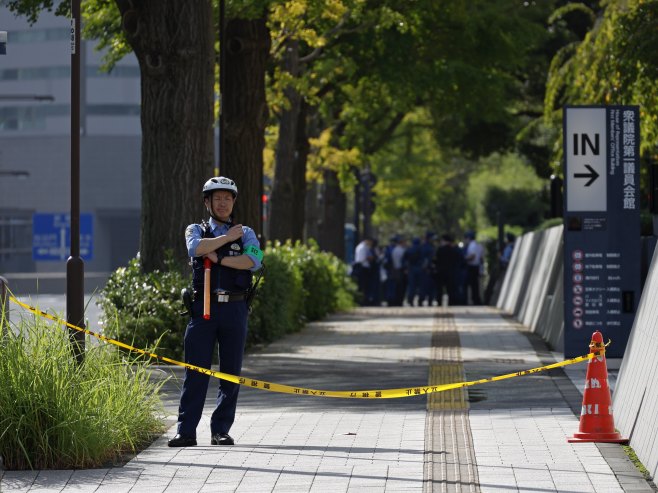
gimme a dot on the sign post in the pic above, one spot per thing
(601, 225)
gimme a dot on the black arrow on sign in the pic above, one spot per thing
(592, 175)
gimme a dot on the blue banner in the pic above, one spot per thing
(51, 236)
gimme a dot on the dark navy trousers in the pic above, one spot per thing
(228, 327)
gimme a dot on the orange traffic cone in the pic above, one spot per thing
(596, 422)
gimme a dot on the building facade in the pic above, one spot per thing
(35, 97)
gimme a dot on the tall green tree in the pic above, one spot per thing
(467, 64)
(305, 34)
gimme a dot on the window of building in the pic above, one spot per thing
(64, 72)
(39, 35)
(15, 239)
(34, 117)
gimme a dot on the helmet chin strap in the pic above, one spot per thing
(212, 214)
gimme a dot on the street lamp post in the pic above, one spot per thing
(75, 264)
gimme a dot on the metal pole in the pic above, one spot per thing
(366, 197)
(500, 220)
(74, 264)
(4, 305)
(357, 211)
(556, 196)
(222, 78)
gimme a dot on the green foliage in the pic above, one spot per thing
(278, 308)
(325, 281)
(506, 203)
(56, 414)
(102, 21)
(32, 8)
(420, 186)
(502, 184)
(144, 308)
(549, 223)
(615, 63)
(300, 283)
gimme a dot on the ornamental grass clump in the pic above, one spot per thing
(58, 414)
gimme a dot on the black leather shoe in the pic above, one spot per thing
(182, 441)
(221, 439)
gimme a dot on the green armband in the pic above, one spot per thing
(256, 252)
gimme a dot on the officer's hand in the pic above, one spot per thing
(235, 232)
(213, 257)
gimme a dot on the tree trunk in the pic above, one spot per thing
(173, 42)
(332, 227)
(288, 190)
(245, 115)
(312, 212)
(302, 150)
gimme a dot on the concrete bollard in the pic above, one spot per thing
(4, 304)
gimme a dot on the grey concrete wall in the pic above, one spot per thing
(635, 399)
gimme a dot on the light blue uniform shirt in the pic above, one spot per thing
(194, 234)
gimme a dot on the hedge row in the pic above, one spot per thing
(300, 284)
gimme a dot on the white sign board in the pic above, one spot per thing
(586, 157)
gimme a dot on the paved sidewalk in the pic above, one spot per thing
(502, 436)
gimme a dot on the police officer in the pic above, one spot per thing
(235, 252)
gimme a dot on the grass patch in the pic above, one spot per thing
(638, 464)
(57, 414)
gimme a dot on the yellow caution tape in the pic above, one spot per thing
(288, 389)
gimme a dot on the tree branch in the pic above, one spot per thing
(386, 134)
(317, 52)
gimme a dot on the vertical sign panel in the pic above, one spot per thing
(601, 224)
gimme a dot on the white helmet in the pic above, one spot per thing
(220, 183)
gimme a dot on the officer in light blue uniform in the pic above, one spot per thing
(235, 252)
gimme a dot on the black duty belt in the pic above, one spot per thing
(223, 296)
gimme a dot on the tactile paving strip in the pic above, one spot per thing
(450, 458)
